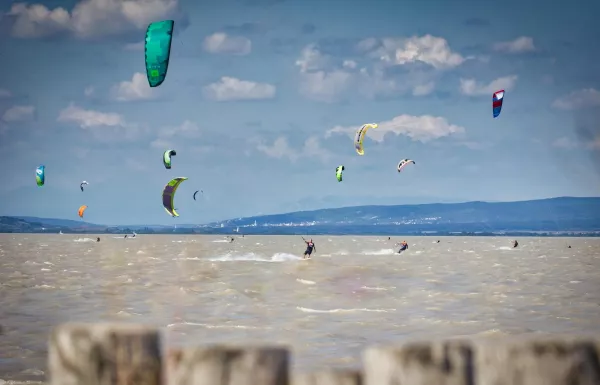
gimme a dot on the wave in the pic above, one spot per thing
(221, 241)
(380, 252)
(308, 310)
(252, 257)
(84, 240)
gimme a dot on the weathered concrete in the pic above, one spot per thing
(329, 377)
(104, 354)
(220, 365)
(124, 354)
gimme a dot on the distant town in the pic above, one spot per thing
(564, 216)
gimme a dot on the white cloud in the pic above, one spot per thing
(419, 128)
(89, 91)
(90, 118)
(565, 143)
(519, 45)
(424, 89)
(325, 86)
(105, 126)
(136, 89)
(186, 130)
(139, 46)
(89, 18)
(351, 64)
(584, 98)
(428, 49)
(281, 149)
(471, 87)
(223, 43)
(5, 93)
(18, 113)
(229, 88)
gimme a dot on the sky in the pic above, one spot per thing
(263, 97)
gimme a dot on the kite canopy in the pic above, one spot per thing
(82, 184)
(338, 172)
(40, 175)
(403, 163)
(81, 211)
(158, 51)
(497, 100)
(168, 195)
(167, 158)
(195, 194)
(360, 136)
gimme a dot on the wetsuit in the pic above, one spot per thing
(309, 248)
(403, 247)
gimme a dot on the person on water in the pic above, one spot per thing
(98, 240)
(310, 246)
(403, 246)
(515, 244)
(125, 236)
(231, 240)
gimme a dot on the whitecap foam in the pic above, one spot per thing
(308, 310)
(305, 281)
(253, 257)
(84, 240)
(221, 241)
(380, 252)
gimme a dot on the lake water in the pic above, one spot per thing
(354, 292)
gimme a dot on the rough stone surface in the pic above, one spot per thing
(104, 354)
(329, 377)
(220, 365)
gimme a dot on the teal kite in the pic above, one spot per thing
(168, 195)
(158, 51)
(40, 175)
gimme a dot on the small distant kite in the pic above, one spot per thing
(158, 51)
(360, 136)
(167, 158)
(81, 211)
(40, 175)
(403, 163)
(82, 184)
(338, 172)
(497, 100)
(197, 191)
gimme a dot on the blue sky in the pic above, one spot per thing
(263, 97)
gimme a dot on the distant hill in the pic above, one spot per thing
(564, 214)
(57, 222)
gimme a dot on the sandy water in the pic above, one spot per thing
(354, 292)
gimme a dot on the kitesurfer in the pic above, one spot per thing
(98, 239)
(231, 240)
(515, 244)
(310, 246)
(403, 246)
(125, 236)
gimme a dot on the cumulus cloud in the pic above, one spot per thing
(519, 45)
(580, 99)
(328, 79)
(222, 43)
(229, 89)
(100, 124)
(471, 87)
(281, 149)
(432, 50)
(139, 46)
(18, 114)
(424, 89)
(186, 130)
(89, 18)
(564, 143)
(136, 89)
(5, 93)
(422, 128)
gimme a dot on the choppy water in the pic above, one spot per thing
(354, 292)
